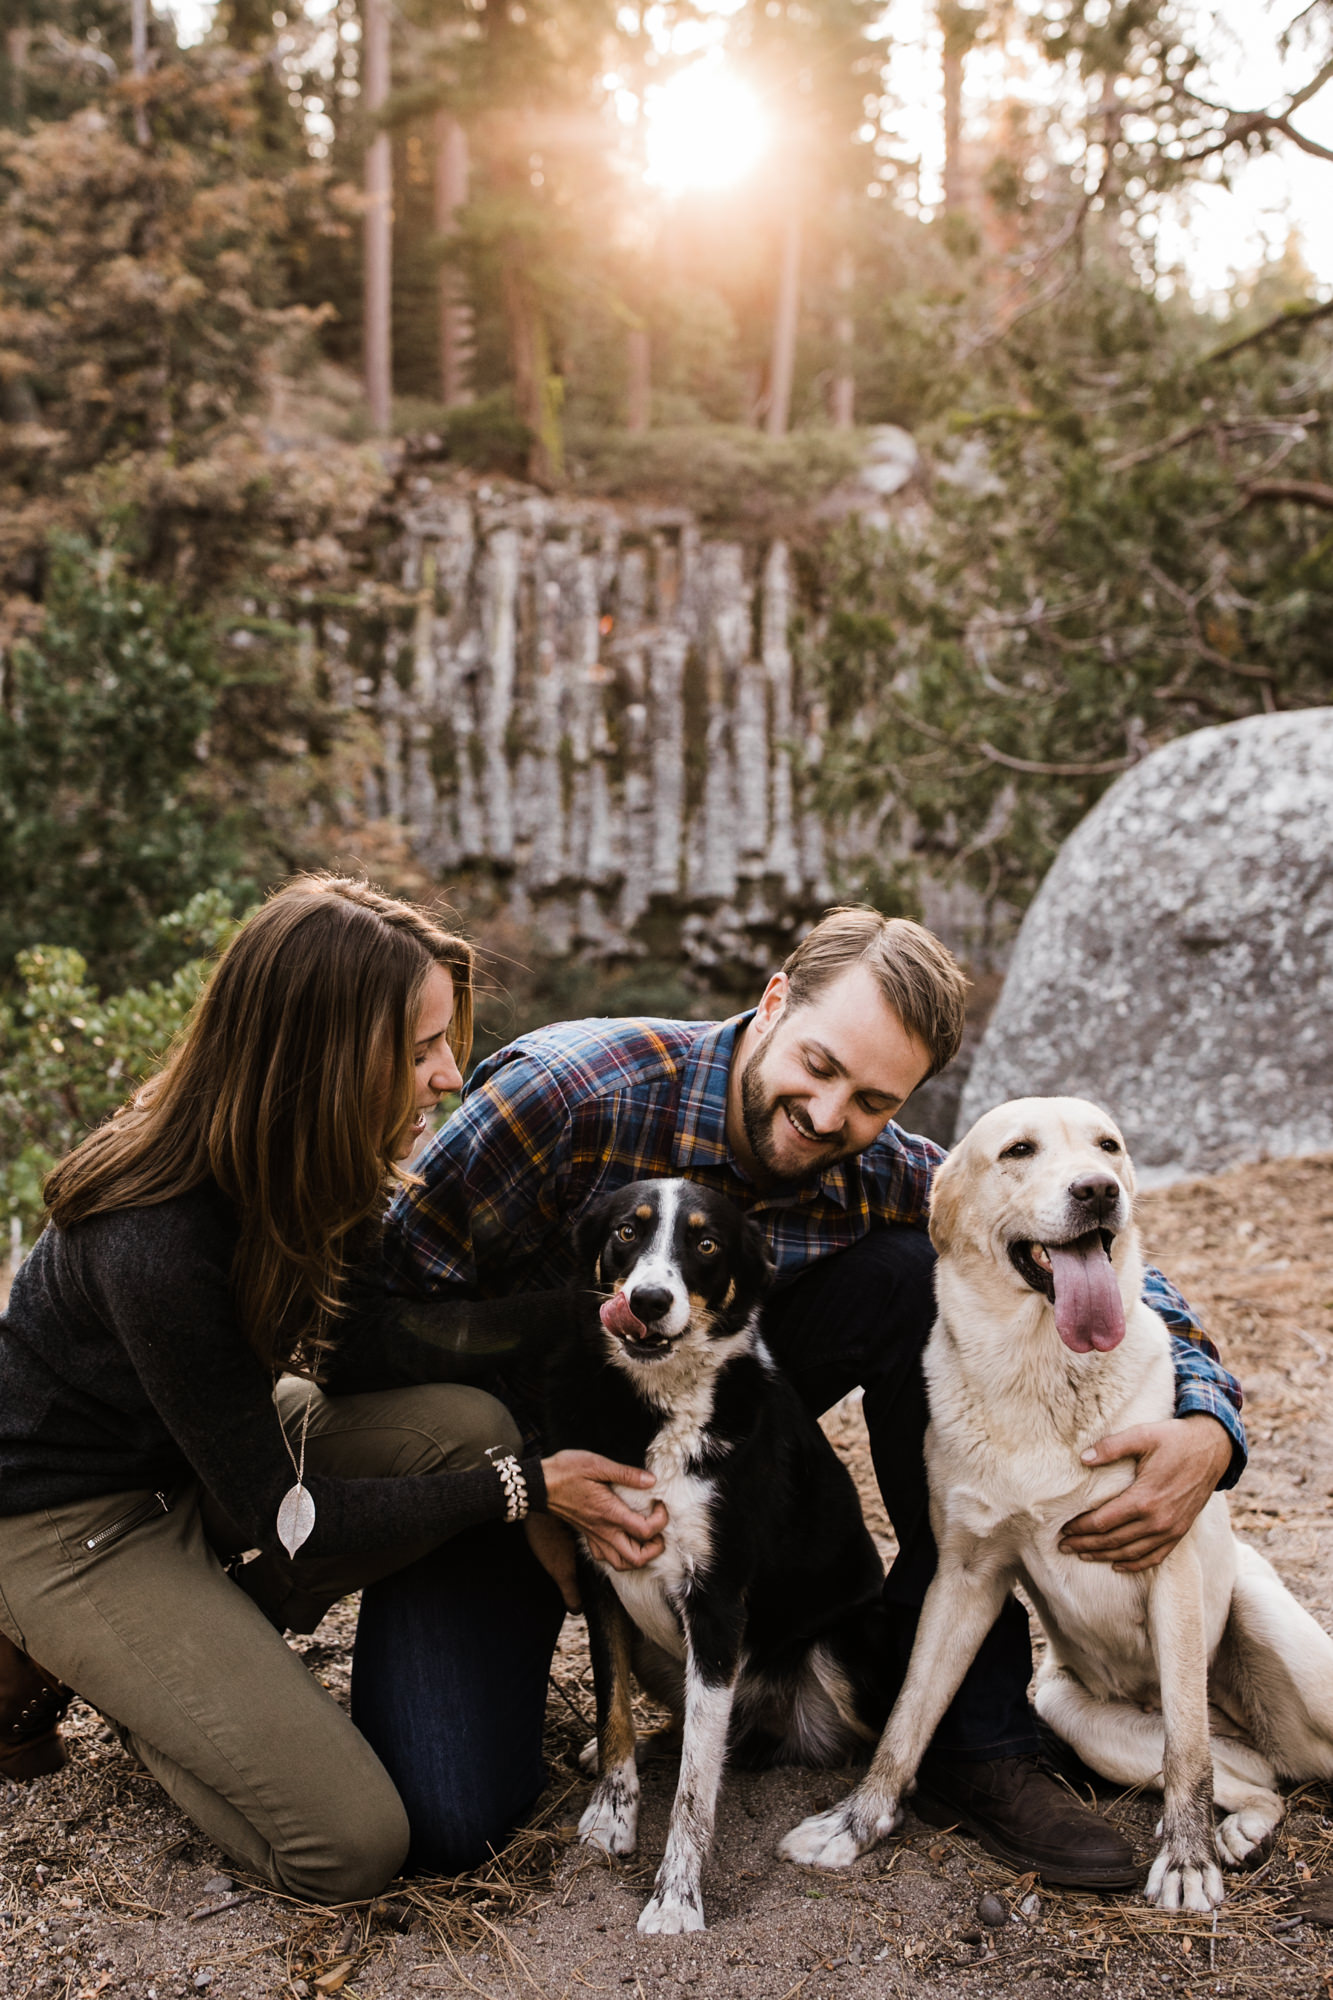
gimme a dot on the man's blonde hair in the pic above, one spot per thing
(919, 977)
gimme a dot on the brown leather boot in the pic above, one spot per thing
(1020, 1813)
(32, 1703)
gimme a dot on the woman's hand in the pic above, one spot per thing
(580, 1489)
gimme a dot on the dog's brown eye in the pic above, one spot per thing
(626, 1233)
(1109, 1145)
(1020, 1150)
(706, 1246)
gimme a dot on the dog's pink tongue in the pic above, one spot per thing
(617, 1318)
(1089, 1311)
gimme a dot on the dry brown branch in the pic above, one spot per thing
(1219, 428)
(1024, 310)
(1309, 492)
(1102, 769)
(1290, 316)
(1242, 125)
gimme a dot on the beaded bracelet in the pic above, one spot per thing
(515, 1485)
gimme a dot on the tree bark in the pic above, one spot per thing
(452, 174)
(954, 200)
(139, 64)
(638, 414)
(844, 383)
(535, 394)
(18, 39)
(379, 220)
(782, 372)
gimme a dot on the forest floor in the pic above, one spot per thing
(106, 1890)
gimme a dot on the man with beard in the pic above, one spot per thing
(789, 1111)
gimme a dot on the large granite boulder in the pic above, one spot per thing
(1177, 964)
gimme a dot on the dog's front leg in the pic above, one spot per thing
(961, 1605)
(712, 1667)
(611, 1818)
(1185, 1875)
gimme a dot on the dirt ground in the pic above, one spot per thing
(106, 1890)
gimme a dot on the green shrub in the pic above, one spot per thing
(487, 434)
(728, 474)
(68, 1058)
(105, 819)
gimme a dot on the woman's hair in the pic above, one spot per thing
(287, 1087)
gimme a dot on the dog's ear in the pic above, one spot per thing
(946, 1199)
(590, 1232)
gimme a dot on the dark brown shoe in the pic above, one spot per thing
(1021, 1814)
(32, 1703)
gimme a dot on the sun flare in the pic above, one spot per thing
(705, 129)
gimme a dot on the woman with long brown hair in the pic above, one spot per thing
(197, 1367)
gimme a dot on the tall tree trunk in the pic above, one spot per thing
(379, 220)
(535, 392)
(844, 330)
(638, 414)
(960, 24)
(18, 400)
(139, 64)
(18, 39)
(782, 371)
(452, 173)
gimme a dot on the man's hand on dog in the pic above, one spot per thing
(580, 1489)
(1180, 1463)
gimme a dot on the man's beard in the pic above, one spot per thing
(759, 1114)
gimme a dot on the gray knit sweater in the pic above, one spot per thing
(122, 1368)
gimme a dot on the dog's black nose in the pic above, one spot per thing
(649, 1302)
(1098, 1191)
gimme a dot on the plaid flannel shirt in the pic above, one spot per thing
(563, 1115)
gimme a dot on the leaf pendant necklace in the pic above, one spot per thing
(296, 1509)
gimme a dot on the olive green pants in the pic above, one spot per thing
(131, 1605)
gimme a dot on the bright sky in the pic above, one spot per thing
(1216, 233)
(705, 128)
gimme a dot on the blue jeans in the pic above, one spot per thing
(449, 1680)
(861, 1319)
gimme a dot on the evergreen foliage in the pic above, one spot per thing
(1118, 533)
(68, 1057)
(1102, 567)
(105, 823)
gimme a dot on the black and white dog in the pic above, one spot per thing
(761, 1624)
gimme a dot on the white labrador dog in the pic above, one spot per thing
(1202, 1676)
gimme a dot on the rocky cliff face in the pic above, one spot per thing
(600, 708)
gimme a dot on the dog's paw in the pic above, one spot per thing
(611, 1817)
(1245, 1837)
(1184, 1882)
(835, 1839)
(667, 1915)
(588, 1755)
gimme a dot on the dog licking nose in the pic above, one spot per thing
(617, 1316)
(649, 1302)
